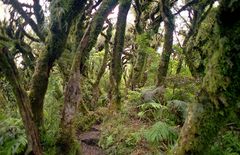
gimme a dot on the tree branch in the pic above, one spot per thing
(38, 12)
(16, 5)
(186, 6)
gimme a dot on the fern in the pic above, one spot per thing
(149, 109)
(150, 105)
(160, 132)
(12, 136)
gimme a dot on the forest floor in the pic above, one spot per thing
(89, 141)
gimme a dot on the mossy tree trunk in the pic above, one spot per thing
(58, 37)
(76, 33)
(90, 37)
(60, 25)
(200, 12)
(66, 142)
(137, 68)
(95, 89)
(221, 84)
(138, 75)
(168, 20)
(116, 63)
(10, 70)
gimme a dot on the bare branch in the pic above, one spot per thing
(16, 5)
(38, 12)
(186, 6)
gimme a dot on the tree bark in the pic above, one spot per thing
(95, 89)
(90, 37)
(138, 69)
(168, 41)
(116, 63)
(221, 84)
(45, 62)
(199, 14)
(11, 73)
(66, 143)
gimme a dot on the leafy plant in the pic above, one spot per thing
(160, 132)
(133, 96)
(149, 110)
(12, 136)
(227, 143)
(53, 101)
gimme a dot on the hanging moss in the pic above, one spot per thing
(220, 89)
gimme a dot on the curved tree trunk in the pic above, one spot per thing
(138, 73)
(95, 89)
(45, 62)
(221, 84)
(10, 70)
(66, 143)
(116, 64)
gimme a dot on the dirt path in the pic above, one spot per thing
(89, 141)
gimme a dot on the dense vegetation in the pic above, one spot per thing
(120, 77)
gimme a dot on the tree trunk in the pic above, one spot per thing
(116, 64)
(90, 37)
(95, 89)
(66, 143)
(168, 41)
(138, 69)
(45, 62)
(199, 14)
(11, 73)
(221, 84)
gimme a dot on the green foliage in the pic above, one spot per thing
(143, 41)
(227, 143)
(118, 137)
(160, 132)
(122, 132)
(6, 90)
(182, 88)
(173, 64)
(85, 121)
(148, 110)
(184, 93)
(53, 101)
(95, 62)
(134, 96)
(12, 135)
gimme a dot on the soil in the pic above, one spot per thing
(89, 141)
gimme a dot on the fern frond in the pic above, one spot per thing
(160, 132)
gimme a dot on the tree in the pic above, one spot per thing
(32, 105)
(168, 41)
(11, 73)
(116, 64)
(220, 87)
(95, 89)
(66, 143)
(142, 40)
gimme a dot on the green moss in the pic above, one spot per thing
(67, 146)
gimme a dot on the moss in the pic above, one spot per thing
(220, 89)
(68, 146)
(201, 126)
